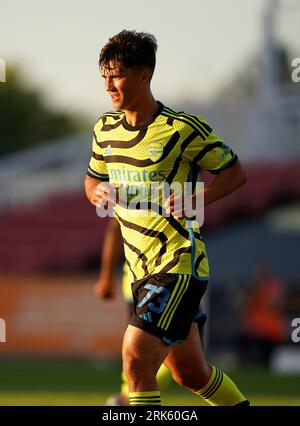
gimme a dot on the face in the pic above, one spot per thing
(124, 86)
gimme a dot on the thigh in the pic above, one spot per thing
(141, 345)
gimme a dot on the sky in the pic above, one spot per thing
(201, 44)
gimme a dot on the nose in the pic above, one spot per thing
(109, 84)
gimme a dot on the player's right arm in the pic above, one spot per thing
(101, 194)
(97, 177)
(91, 185)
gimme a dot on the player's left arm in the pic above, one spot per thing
(224, 183)
(216, 156)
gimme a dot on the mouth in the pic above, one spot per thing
(114, 97)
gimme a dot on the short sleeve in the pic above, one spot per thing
(97, 168)
(210, 152)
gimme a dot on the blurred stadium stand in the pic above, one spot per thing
(46, 223)
(34, 174)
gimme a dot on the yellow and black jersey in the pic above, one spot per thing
(170, 148)
(127, 280)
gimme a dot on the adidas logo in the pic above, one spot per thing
(107, 151)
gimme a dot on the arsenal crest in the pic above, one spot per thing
(155, 151)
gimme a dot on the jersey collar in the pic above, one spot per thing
(146, 124)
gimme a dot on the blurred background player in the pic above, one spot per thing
(264, 325)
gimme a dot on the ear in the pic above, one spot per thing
(146, 76)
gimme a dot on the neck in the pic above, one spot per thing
(142, 113)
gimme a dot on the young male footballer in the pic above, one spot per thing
(143, 146)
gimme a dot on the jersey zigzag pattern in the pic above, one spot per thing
(170, 148)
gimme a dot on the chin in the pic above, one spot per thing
(117, 104)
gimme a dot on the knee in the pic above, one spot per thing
(132, 366)
(137, 369)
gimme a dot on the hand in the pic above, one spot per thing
(180, 206)
(105, 195)
(104, 289)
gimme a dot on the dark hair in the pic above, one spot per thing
(130, 49)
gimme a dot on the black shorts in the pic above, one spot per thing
(166, 305)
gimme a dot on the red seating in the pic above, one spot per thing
(65, 233)
(266, 185)
(62, 234)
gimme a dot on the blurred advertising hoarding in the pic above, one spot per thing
(50, 316)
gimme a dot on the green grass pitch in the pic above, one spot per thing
(65, 382)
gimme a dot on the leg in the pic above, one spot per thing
(142, 354)
(165, 305)
(191, 370)
(163, 377)
(187, 362)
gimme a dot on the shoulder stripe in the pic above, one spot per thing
(183, 120)
(201, 126)
(196, 120)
